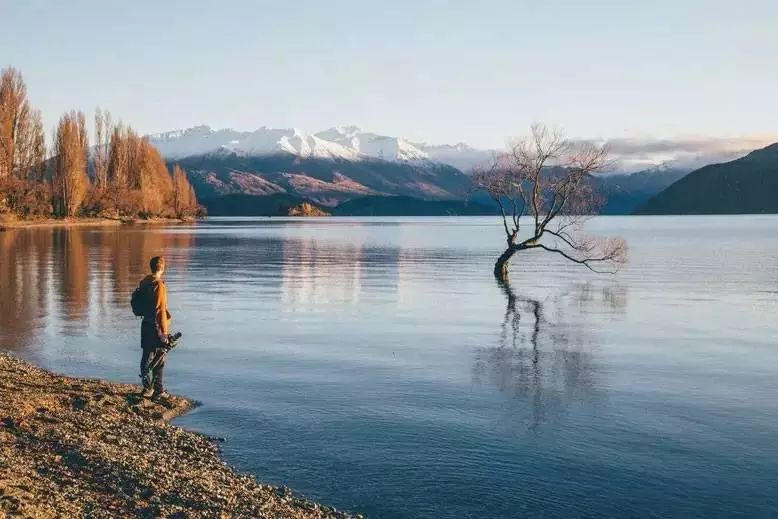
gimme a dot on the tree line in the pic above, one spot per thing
(116, 175)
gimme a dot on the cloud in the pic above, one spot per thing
(635, 153)
(638, 146)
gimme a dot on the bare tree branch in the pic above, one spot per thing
(585, 261)
(551, 177)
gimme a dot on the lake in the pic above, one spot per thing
(375, 365)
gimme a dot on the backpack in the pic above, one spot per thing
(139, 301)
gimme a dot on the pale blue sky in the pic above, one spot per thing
(440, 71)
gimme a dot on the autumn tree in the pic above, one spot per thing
(122, 198)
(14, 114)
(118, 157)
(70, 180)
(154, 181)
(131, 178)
(103, 134)
(30, 149)
(183, 200)
(132, 148)
(22, 148)
(140, 182)
(543, 187)
(28, 189)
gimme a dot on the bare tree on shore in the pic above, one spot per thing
(548, 178)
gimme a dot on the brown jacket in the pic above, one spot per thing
(156, 316)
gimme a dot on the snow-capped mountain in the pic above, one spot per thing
(461, 156)
(348, 143)
(373, 145)
(352, 143)
(201, 140)
(342, 142)
(197, 140)
(269, 141)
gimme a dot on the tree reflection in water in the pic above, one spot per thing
(67, 280)
(544, 357)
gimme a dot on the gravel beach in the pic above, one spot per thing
(74, 447)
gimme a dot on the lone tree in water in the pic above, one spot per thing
(549, 179)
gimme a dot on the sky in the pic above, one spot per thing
(435, 71)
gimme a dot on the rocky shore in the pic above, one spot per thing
(12, 223)
(74, 447)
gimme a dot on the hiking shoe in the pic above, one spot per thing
(147, 392)
(160, 395)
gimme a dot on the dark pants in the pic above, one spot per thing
(152, 349)
(149, 357)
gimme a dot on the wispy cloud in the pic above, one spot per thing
(638, 146)
(637, 153)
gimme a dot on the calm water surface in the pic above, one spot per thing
(375, 365)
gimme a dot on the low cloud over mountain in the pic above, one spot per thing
(634, 154)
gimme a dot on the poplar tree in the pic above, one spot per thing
(70, 180)
(131, 178)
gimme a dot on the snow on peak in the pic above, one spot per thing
(197, 140)
(268, 141)
(460, 155)
(373, 145)
(390, 148)
(340, 142)
(460, 147)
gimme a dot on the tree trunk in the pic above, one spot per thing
(501, 266)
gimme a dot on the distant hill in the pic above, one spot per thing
(409, 206)
(281, 204)
(278, 204)
(324, 181)
(626, 192)
(384, 187)
(623, 192)
(746, 185)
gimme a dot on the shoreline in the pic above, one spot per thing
(85, 222)
(88, 447)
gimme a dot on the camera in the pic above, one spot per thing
(172, 340)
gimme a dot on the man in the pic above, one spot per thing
(154, 330)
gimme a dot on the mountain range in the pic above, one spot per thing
(748, 185)
(340, 164)
(325, 181)
(341, 142)
(625, 192)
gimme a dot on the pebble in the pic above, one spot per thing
(89, 447)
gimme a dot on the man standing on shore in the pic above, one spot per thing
(154, 329)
